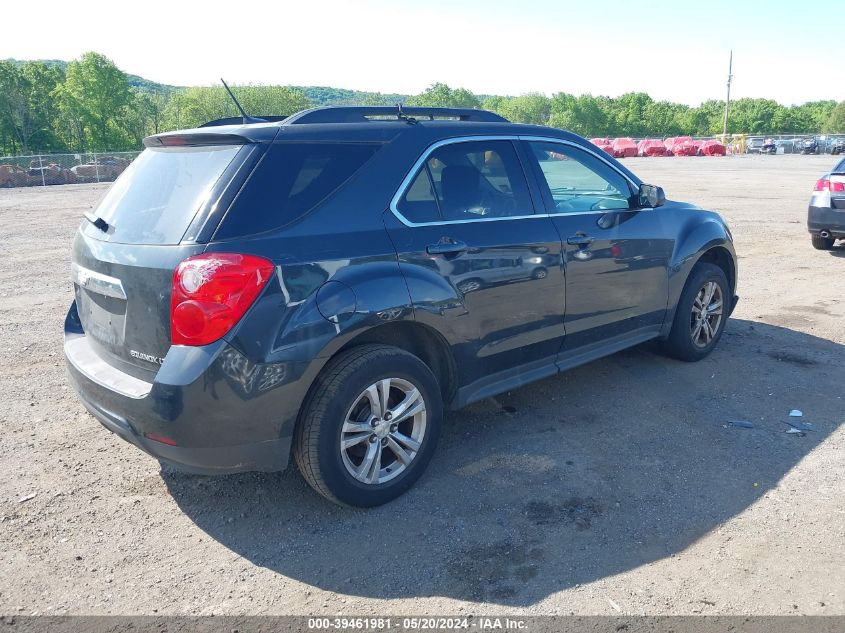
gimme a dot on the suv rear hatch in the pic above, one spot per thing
(160, 211)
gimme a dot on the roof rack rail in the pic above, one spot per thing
(236, 120)
(360, 114)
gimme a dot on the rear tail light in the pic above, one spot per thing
(211, 292)
(826, 185)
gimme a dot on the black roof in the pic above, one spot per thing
(377, 119)
(418, 127)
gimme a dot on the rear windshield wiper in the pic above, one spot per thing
(100, 223)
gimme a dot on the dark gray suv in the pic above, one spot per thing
(325, 285)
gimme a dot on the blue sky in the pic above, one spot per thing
(783, 49)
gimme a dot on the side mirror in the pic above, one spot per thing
(651, 196)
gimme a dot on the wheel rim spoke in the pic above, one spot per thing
(401, 454)
(351, 426)
(696, 333)
(400, 409)
(375, 400)
(409, 413)
(410, 442)
(370, 466)
(353, 440)
(709, 289)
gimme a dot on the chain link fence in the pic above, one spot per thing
(41, 170)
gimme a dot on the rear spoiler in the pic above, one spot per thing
(188, 139)
(237, 120)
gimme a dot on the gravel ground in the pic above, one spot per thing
(614, 488)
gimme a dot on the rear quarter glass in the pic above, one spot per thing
(291, 180)
(156, 197)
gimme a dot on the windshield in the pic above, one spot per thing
(157, 196)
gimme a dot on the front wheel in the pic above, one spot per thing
(700, 315)
(822, 243)
(370, 426)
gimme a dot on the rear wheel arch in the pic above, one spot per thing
(422, 341)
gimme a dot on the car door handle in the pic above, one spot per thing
(447, 248)
(580, 240)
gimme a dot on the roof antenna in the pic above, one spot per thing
(246, 117)
(402, 116)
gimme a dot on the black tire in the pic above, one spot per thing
(317, 448)
(822, 243)
(680, 343)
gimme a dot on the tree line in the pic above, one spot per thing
(89, 104)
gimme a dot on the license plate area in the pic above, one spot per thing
(103, 318)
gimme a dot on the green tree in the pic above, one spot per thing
(442, 96)
(495, 104)
(704, 120)
(142, 116)
(13, 110)
(194, 106)
(585, 115)
(96, 92)
(27, 109)
(754, 116)
(663, 118)
(529, 108)
(836, 121)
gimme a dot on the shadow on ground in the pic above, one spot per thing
(588, 474)
(838, 251)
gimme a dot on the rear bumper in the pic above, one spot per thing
(271, 455)
(826, 218)
(211, 409)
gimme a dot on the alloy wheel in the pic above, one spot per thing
(706, 316)
(383, 431)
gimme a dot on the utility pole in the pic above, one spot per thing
(728, 100)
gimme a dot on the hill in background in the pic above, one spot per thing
(99, 107)
(134, 80)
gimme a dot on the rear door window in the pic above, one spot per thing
(471, 180)
(290, 180)
(156, 197)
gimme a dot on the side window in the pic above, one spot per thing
(468, 181)
(579, 181)
(290, 180)
(419, 203)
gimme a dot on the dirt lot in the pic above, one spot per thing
(613, 488)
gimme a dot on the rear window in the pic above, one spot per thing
(156, 197)
(290, 180)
